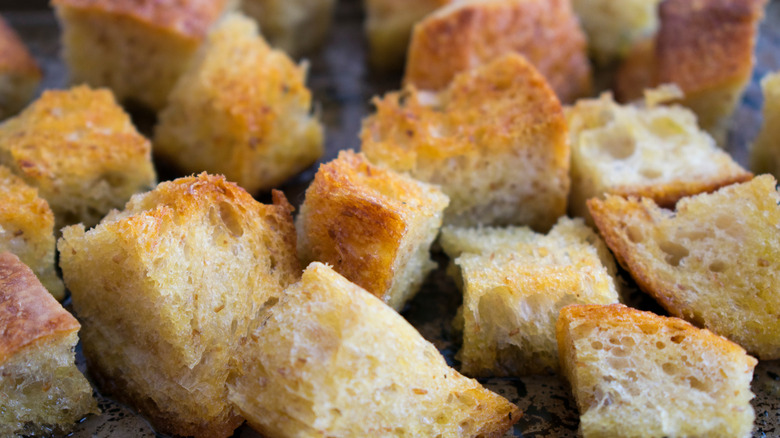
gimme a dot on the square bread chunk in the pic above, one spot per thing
(27, 230)
(20, 75)
(41, 390)
(373, 225)
(330, 359)
(137, 48)
(642, 150)
(512, 294)
(166, 291)
(469, 33)
(637, 374)
(713, 261)
(495, 141)
(295, 26)
(242, 110)
(765, 155)
(80, 150)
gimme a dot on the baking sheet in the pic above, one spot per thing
(343, 87)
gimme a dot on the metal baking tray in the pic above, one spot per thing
(343, 86)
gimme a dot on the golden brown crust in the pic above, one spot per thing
(14, 56)
(667, 195)
(28, 313)
(637, 72)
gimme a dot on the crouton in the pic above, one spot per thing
(765, 154)
(295, 26)
(20, 74)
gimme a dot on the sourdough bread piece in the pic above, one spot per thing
(41, 391)
(373, 225)
(714, 261)
(648, 151)
(137, 48)
(20, 75)
(80, 150)
(295, 26)
(27, 230)
(765, 154)
(637, 374)
(330, 359)
(166, 291)
(242, 110)
(469, 33)
(495, 141)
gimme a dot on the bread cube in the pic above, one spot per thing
(512, 294)
(495, 141)
(332, 360)
(373, 225)
(632, 150)
(20, 75)
(713, 261)
(241, 110)
(634, 373)
(138, 49)
(80, 150)
(295, 26)
(166, 291)
(27, 230)
(41, 390)
(469, 33)
(765, 154)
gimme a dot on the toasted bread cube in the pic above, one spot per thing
(634, 373)
(389, 26)
(495, 141)
(512, 295)
(469, 33)
(373, 225)
(20, 75)
(332, 360)
(295, 26)
(241, 110)
(138, 49)
(167, 289)
(27, 230)
(713, 261)
(41, 390)
(82, 152)
(653, 151)
(765, 155)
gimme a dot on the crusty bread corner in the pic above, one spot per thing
(166, 291)
(242, 110)
(634, 373)
(27, 230)
(43, 391)
(330, 359)
(495, 141)
(469, 33)
(295, 26)
(765, 153)
(657, 152)
(79, 148)
(373, 225)
(713, 261)
(20, 74)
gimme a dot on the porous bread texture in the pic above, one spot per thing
(373, 225)
(470, 33)
(330, 359)
(765, 154)
(242, 110)
(295, 26)
(27, 230)
(389, 26)
(613, 27)
(80, 150)
(137, 48)
(41, 391)
(512, 294)
(636, 374)
(166, 291)
(495, 141)
(657, 152)
(714, 261)
(20, 75)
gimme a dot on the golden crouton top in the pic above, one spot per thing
(17, 200)
(28, 312)
(14, 56)
(191, 18)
